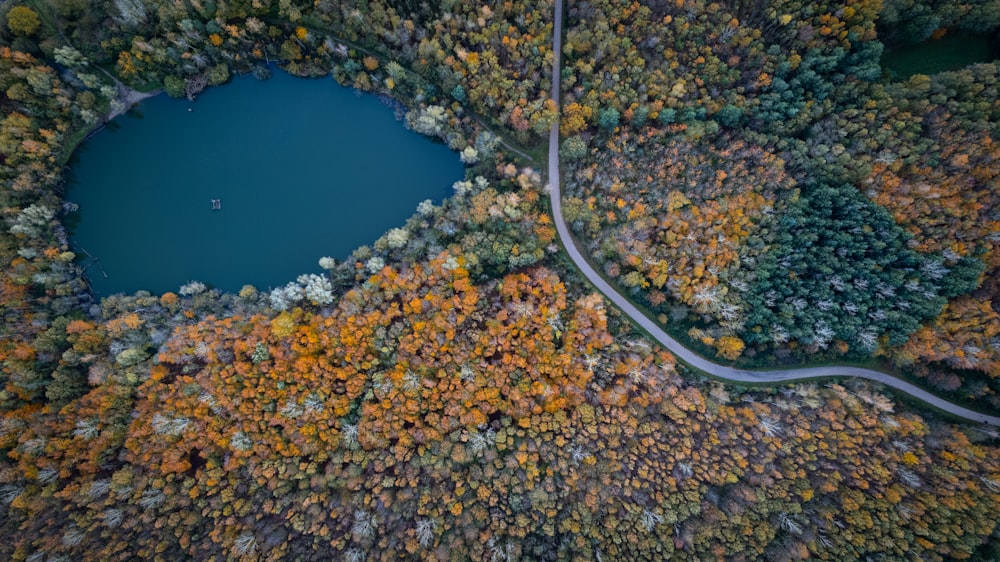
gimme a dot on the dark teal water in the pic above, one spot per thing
(304, 169)
(951, 52)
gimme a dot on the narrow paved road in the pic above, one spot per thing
(685, 354)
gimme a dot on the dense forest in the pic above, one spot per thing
(746, 170)
(697, 180)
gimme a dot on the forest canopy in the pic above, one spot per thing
(744, 170)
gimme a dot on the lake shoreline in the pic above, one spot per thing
(129, 98)
(295, 185)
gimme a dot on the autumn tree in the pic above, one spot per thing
(23, 21)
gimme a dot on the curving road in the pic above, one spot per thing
(685, 354)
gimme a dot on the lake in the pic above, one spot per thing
(303, 168)
(951, 52)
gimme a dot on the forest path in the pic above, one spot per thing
(686, 355)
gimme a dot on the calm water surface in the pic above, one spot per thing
(304, 169)
(951, 52)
